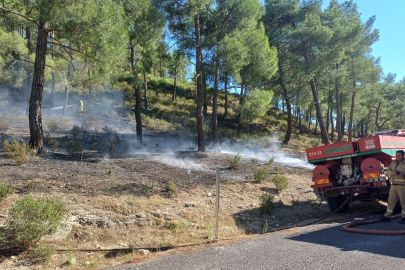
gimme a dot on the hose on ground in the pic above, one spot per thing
(350, 227)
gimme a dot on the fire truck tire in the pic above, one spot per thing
(335, 202)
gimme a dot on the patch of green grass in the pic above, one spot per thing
(280, 181)
(234, 162)
(260, 175)
(5, 190)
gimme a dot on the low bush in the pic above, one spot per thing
(53, 125)
(4, 125)
(171, 188)
(281, 182)
(75, 131)
(31, 219)
(5, 190)
(74, 147)
(266, 203)
(52, 144)
(234, 161)
(260, 175)
(270, 161)
(42, 253)
(18, 151)
(254, 160)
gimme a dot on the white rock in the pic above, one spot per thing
(143, 251)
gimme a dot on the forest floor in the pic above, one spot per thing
(118, 196)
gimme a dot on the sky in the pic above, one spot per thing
(390, 21)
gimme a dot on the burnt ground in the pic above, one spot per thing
(116, 190)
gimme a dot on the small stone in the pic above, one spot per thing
(13, 257)
(140, 215)
(209, 194)
(123, 245)
(190, 204)
(144, 252)
(87, 262)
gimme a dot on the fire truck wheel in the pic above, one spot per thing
(335, 202)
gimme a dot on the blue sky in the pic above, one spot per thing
(390, 21)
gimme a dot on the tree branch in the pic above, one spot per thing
(21, 15)
(30, 62)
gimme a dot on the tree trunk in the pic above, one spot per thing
(35, 116)
(342, 128)
(316, 126)
(175, 82)
(198, 62)
(66, 100)
(338, 115)
(300, 119)
(352, 110)
(332, 126)
(215, 109)
(145, 96)
(315, 95)
(288, 103)
(309, 120)
(90, 88)
(226, 95)
(138, 118)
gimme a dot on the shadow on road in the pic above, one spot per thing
(346, 241)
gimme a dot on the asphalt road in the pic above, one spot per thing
(321, 246)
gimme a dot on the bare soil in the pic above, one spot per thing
(119, 198)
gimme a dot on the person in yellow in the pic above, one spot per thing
(396, 173)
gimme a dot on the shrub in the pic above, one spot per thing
(260, 175)
(74, 147)
(52, 144)
(234, 161)
(254, 160)
(266, 203)
(5, 190)
(53, 125)
(270, 161)
(277, 168)
(171, 187)
(4, 125)
(75, 131)
(31, 219)
(18, 151)
(42, 253)
(112, 144)
(281, 182)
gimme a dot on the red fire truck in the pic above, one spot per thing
(355, 167)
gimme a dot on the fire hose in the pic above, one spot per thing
(350, 227)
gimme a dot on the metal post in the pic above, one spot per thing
(217, 206)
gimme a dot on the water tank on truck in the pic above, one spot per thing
(355, 167)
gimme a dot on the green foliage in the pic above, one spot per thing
(234, 162)
(5, 190)
(254, 160)
(266, 203)
(4, 124)
(53, 125)
(18, 151)
(31, 219)
(270, 161)
(42, 253)
(74, 147)
(260, 175)
(277, 168)
(75, 131)
(256, 105)
(280, 181)
(52, 144)
(171, 188)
